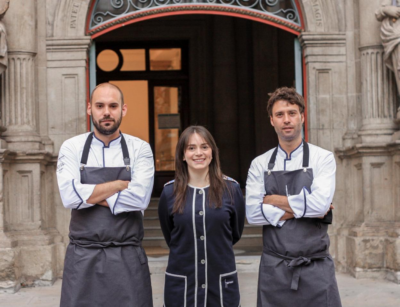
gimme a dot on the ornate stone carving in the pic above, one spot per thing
(4, 5)
(388, 14)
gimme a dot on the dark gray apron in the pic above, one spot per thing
(296, 269)
(105, 264)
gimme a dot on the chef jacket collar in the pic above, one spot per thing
(113, 143)
(296, 152)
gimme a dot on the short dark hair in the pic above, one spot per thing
(110, 85)
(287, 94)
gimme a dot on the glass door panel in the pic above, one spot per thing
(166, 126)
(136, 97)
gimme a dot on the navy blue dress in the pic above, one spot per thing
(201, 267)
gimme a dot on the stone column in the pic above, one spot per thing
(369, 238)
(379, 95)
(20, 103)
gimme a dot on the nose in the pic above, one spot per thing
(198, 151)
(286, 118)
(106, 110)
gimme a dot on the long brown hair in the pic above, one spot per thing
(217, 182)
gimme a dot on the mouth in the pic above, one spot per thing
(107, 122)
(199, 160)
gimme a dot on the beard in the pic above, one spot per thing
(297, 130)
(107, 130)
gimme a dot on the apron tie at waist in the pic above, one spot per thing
(297, 263)
(92, 244)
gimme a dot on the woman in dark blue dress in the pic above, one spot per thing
(202, 216)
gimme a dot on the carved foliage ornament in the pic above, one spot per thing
(107, 12)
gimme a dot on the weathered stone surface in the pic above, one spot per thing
(351, 108)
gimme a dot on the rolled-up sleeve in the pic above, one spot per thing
(73, 193)
(137, 196)
(257, 212)
(315, 203)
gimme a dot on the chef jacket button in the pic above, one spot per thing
(203, 286)
(202, 261)
(201, 212)
(200, 192)
(202, 238)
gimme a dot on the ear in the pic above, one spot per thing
(271, 121)
(124, 110)
(89, 109)
(302, 117)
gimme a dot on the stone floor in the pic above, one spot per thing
(354, 292)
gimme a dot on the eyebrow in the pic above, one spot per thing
(195, 144)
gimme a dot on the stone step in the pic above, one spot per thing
(151, 221)
(152, 231)
(154, 241)
(250, 240)
(151, 212)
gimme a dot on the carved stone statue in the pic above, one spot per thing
(389, 15)
(4, 5)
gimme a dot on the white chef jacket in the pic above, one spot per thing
(314, 203)
(74, 194)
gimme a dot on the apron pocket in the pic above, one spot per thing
(229, 289)
(175, 290)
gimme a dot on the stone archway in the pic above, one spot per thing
(326, 74)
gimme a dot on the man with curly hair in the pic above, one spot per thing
(289, 191)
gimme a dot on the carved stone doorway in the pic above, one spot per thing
(229, 65)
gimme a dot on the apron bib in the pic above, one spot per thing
(296, 268)
(105, 264)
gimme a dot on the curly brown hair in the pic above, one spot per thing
(287, 94)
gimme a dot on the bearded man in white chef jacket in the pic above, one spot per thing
(106, 178)
(289, 191)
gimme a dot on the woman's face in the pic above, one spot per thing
(198, 154)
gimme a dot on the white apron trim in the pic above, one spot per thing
(205, 245)
(220, 286)
(179, 276)
(195, 245)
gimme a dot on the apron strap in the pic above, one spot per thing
(271, 163)
(306, 157)
(86, 148)
(125, 152)
(306, 154)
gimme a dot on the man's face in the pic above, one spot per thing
(106, 110)
(287, 120)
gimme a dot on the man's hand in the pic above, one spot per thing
(103, 203)
(287, 216)
(330, 208)
(278, 201)
(103, 191)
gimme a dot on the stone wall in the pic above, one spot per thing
(44, 99)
